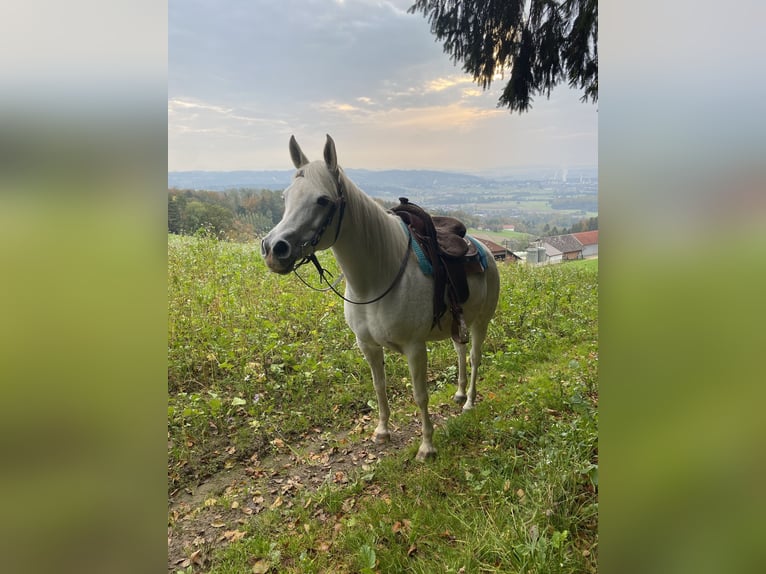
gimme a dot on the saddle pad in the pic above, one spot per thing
(481, 253)
(425, 264)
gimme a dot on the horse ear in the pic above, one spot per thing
(330, 157)
(299, 159)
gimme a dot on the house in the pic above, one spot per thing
(589, 242)
(499, 252)
(519, 256)
(552, 254)
(558, 248)
(544, 252)
(569, 247)
(515, 257)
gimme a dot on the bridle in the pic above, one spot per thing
(339, 205)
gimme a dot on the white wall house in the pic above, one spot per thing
(552, 255)
(589, 241)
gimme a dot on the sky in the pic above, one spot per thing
(245, 75)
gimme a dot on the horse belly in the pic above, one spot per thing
(392, 327)
(406, 315)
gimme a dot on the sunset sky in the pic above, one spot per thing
(245, 75)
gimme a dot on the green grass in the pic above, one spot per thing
(510, 491)
(514, 487)
(500, 236)
(590, 264)
(249, 358)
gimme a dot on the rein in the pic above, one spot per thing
(341, 201)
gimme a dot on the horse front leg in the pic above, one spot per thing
(417, 359)
(374, 356)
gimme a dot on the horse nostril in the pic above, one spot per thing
(281, 249)
(264, 248)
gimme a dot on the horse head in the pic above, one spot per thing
(314, 204)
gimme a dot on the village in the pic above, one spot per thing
(548, 250)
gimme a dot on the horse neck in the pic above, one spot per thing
(370, 245)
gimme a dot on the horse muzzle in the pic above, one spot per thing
(279, 255)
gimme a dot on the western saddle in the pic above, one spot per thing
(452, 256)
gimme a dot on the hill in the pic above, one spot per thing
(386, 181)
(529, 198)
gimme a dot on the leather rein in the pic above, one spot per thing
(339, 205)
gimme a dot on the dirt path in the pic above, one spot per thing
(211, 515)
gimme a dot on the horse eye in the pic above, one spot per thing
(324, 201)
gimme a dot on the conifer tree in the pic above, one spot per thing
(540, 43)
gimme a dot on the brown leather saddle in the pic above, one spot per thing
(452, 257)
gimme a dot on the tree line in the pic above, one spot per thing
(237, 214)
(246, 214)
(589, 224)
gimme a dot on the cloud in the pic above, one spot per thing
(299, 51)
(472, 92)
(260, 70)
(441, 118)
(178, 105)
(431, 118)
(182, 110)
(333, 106)
(444, 83)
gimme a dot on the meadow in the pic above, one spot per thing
(500, 236)
(271, 406)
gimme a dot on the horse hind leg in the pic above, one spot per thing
(374, 356)
(478, 334)
(460, 349)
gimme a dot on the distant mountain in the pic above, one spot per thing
(223, 180)
(383, 183)
(501, 193)
(386, 184)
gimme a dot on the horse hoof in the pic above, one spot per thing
(381, 438)
(425, 454)
(459, 399)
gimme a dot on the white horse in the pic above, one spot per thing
(388, 298)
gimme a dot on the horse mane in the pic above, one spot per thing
(363, 211)
(380, 225)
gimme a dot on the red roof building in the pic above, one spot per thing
(589, 241)
(587, 237)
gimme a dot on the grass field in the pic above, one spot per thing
(590, 264)
(261, 370)
(500, 236)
